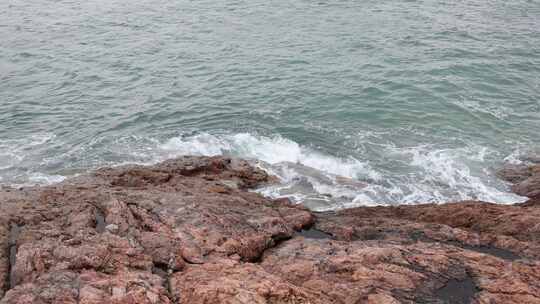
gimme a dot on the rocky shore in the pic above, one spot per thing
(188, 231)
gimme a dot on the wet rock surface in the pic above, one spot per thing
(524, 177)
(188, 231)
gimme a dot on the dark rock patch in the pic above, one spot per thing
(14, 232)
(457, 291)
(100, 221)
(485, 249)
(161, 270)
(494, 251)
(312, 233)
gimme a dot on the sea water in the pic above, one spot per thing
(349, 103)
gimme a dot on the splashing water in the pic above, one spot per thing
(324, 182)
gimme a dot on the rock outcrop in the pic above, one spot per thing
(525, 178)
(188, 231)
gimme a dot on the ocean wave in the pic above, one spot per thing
(394, 175)
(272, 150)
(324, 182)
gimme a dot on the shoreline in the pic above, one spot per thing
(409, 174)
(187, 231)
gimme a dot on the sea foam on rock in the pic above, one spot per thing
(188, 231)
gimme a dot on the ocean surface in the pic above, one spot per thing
(349, 102)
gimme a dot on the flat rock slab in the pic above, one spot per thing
(189, 231)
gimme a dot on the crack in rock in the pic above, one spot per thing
(313, 233)
(99, 220)
(14, 232)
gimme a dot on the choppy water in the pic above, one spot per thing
(416, 101)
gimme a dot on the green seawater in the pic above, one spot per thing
(414, 101)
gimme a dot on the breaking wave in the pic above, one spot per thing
(406, 175)
(324, 182)
(272, 150)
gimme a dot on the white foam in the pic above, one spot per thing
(272, 150)
(45, 179)
(203, 144)
(17, 153)
(514, 157)
(427, 174)
(446, 175)
(436, 175)
(13, 151)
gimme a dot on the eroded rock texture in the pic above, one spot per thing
(188, 231)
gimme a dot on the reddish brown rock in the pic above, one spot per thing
(529, 187)
(526, 178)
(514, 173)
(229, 281)
(383, 272)
(115, 236)
(187, 231)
